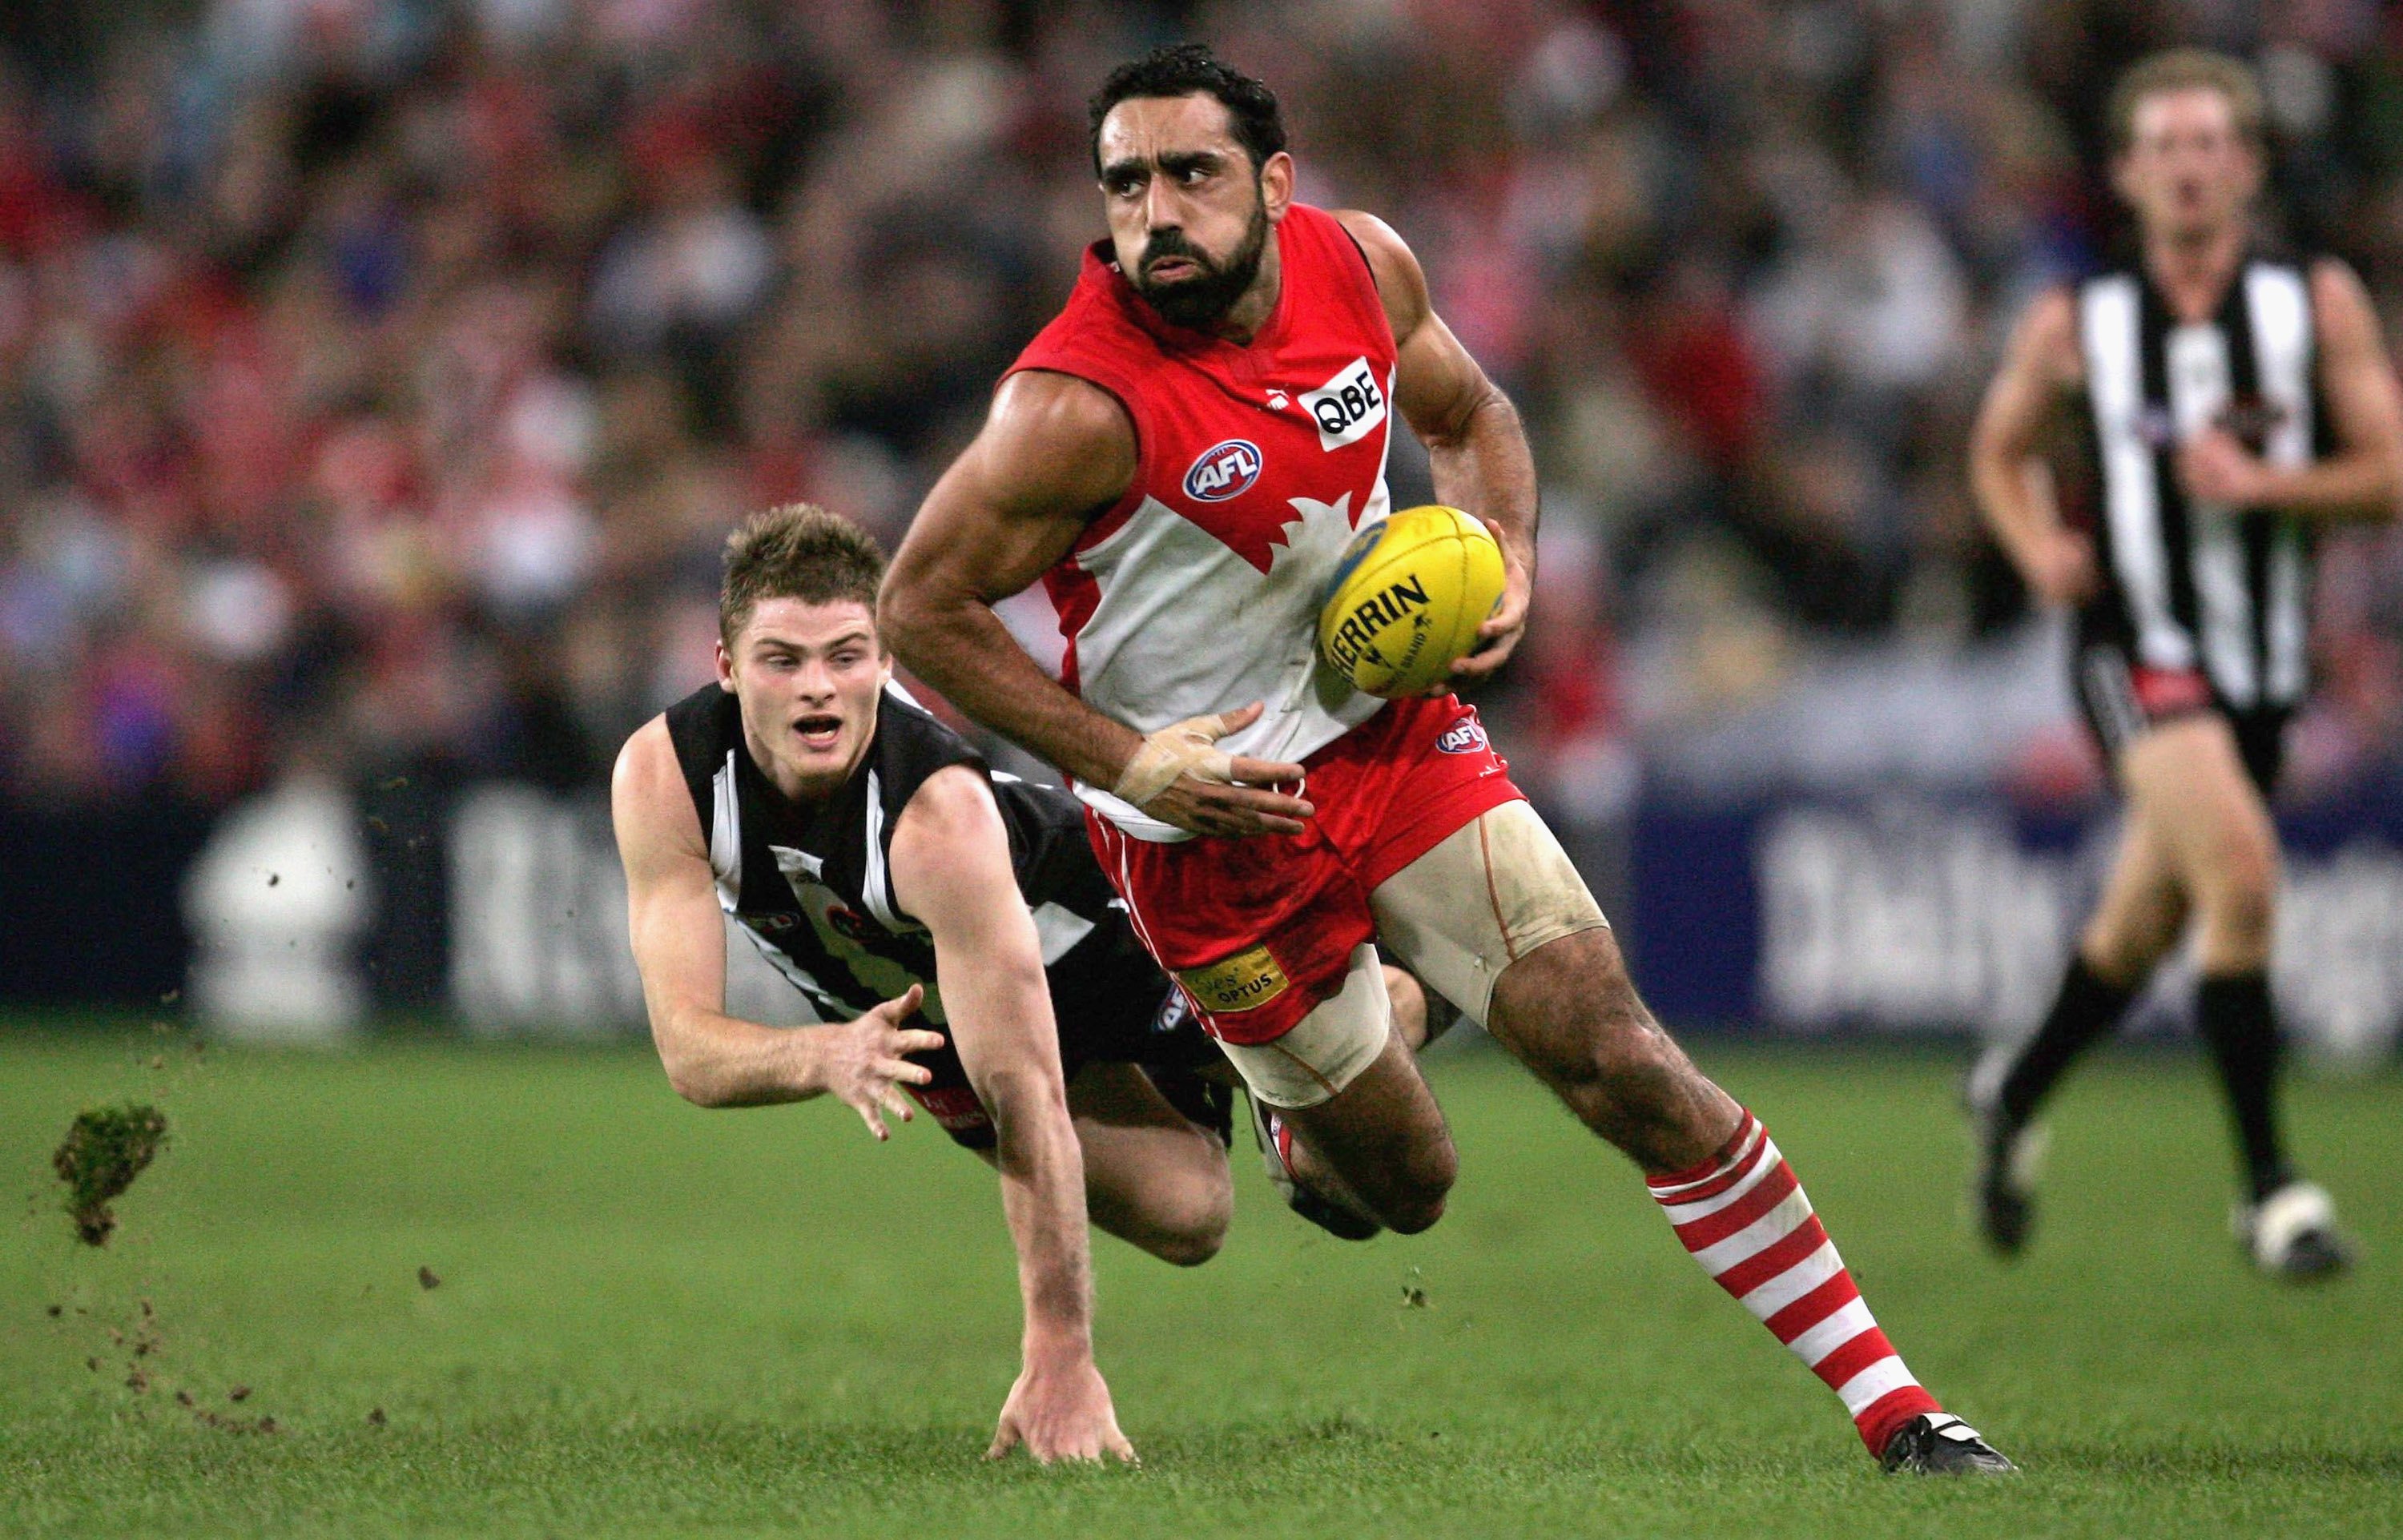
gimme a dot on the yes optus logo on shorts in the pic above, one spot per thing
(1224, 470)
(1235, 983)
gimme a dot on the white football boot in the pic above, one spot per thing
(2292, 1233)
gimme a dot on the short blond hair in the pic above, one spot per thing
(2187, 69)
(796, 550)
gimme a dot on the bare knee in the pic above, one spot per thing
(2239, 895)
(1585, 1032)
(1419, 1198)
(1629, 1071)
(1189, 1222)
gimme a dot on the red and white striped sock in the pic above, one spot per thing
(1745, 1219)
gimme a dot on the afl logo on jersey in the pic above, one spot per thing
(1224, 470)
(1465, 736)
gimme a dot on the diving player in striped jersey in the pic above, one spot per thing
(2233, 403)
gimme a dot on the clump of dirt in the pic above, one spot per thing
(104, 1150)
(428, 1279)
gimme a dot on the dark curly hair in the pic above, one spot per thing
(1188, 69)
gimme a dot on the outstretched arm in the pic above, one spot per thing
(2007, 469)
(952, 872)
(1476, 445)
(2364, 478)
(1054, 450)
(715, 1059)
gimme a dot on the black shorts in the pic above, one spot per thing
(1113, 1007)
(2121, 699)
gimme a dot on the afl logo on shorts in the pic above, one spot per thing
(770, 925)
(1223, 471)
(1465, 736)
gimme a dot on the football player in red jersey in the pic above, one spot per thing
(1181, 457)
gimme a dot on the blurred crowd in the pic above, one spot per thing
(378, 378)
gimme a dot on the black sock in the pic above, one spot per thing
(2083, 1013)
(2240, 1028)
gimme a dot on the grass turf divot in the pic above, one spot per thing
(104, 1150)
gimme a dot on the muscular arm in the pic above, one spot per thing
(714, 1060)
(952, 872)
(1476, 446)
(2008, 474)
(2364, 478)
(1054, 449)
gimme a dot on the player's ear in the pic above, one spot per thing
(1276, 185)
(725, 666)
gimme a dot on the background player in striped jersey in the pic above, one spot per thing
(1221, 319)
(2232, 401)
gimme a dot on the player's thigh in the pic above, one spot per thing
(2186, 779)
(1153, 1178)
(1137, 1146)
(1495, 890)
(2143, 905)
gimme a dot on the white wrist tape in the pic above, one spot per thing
(1182, 748)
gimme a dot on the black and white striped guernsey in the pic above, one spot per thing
(2193, 585)
(812, 884)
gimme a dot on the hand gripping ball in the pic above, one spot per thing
(1407, 599)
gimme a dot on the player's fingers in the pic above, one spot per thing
(917, 1040)
(895, 1103)
(1236, 721)
(1257, 800)
(902, 1070)
(1263, 772)
(1238, 822)
(902, 1005)
(1005, 1439)
(875, 1124)
(1478, 665)
(1118, 1444)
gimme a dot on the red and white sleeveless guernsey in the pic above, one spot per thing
(1198, 591)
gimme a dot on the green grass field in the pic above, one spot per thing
(655, 1320)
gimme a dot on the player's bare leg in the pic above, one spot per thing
(1568, 1011)
(2144, 910)
(1312, 1188)
(1379, 1145)
(2188, 778)
(1153, 1177)
(1498, 917)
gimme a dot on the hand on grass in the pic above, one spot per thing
(1061, 1412)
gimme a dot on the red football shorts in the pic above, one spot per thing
(1257, 931)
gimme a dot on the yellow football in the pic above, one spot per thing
(1407, 600)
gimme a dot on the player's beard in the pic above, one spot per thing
(1201, 302)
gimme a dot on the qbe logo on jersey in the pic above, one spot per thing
(1224, 470)
(1348, 407)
